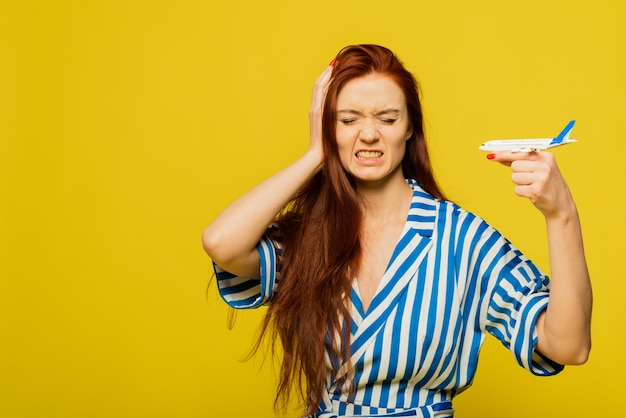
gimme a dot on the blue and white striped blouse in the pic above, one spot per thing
(451, 278)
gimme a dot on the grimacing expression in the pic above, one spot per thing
(372, 128)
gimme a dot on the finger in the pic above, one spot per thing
(320, 87)
(527, 191)
(526, 166)
(523, 178)
(507, 157)
(323, 79)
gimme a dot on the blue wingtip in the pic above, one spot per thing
(564, 132)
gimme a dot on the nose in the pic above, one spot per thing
(369, 131)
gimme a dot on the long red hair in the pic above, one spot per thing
(319, 231)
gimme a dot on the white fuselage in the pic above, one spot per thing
(523, 145)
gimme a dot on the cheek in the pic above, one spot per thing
(345, 137)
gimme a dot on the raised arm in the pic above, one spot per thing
(564, 327)
(231, 239)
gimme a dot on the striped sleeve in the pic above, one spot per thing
(244, 293)
(520, 294)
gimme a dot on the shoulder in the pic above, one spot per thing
(443, 209)
(449, 219)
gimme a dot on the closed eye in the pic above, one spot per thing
(388, 121)
(347, 121)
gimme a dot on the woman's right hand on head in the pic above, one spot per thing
(232, 237)
(317, 109)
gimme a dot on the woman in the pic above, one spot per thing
(379, 289)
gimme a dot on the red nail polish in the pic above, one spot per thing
(491, 156)
(333, 62)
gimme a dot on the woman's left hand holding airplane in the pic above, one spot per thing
(538, 178)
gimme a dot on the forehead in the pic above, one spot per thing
(371, 92)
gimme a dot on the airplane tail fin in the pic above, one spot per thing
(564, 135)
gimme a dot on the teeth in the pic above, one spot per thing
(368, 155)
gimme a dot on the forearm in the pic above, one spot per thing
(231, 239)
(564, 328)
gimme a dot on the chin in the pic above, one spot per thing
(371, 178)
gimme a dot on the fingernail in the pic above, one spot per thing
(491, 156)
(333, 62)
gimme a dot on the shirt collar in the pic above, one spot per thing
(423, 211)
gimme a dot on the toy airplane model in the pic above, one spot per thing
(529, 145)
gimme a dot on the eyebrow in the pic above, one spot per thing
(379, 113)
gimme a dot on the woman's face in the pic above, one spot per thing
(372, 128)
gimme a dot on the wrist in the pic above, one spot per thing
(563, 217)
(315, 157)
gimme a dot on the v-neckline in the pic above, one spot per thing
(383, 280)
(410, 251)
(420, 219)
(356, 293)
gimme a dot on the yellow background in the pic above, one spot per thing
(126, 126)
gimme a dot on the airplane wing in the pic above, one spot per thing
(531, 144)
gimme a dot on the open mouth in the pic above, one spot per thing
(368, 155)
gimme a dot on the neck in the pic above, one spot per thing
(384, 202)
